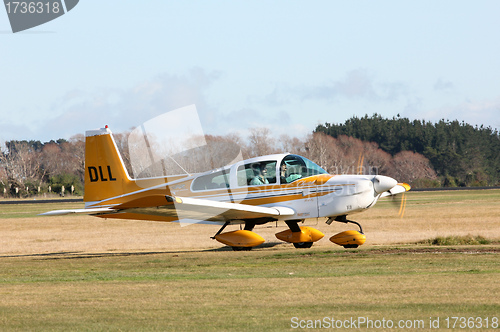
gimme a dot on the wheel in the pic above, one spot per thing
(301, 245)
(242, 248)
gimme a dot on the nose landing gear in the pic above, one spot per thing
(347, 239)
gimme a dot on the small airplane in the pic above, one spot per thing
(256, 191)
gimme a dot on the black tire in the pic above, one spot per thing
(302, 245)
(242, 248)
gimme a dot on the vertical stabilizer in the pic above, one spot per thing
(105, 172)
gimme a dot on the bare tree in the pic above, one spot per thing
(291, 145)
(261, 142)
(4, 180)
(122, 141)
(373, 160)
(64, 157)
(410, 166)
(76, 150)
(21, 163)
(323, 150)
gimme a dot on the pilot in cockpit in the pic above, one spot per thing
(287, 179)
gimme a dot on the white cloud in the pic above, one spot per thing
(442, 85)
(240, 121)
(123, 109)
(356, 85)
(485, 112)
(11, 131)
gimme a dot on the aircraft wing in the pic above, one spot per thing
(397, 189)
(186, 208)
(203, 209)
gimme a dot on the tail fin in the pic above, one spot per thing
(105, 172)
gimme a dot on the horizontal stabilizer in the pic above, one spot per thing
(78, 211)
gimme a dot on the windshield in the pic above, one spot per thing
(295, 167)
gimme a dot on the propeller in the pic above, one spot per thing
(398, 194)
(387, 186)
(361, 160)
(401, 203)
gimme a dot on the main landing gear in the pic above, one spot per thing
(301, 237)
(246, 239)
(303, 245)
(239, 240)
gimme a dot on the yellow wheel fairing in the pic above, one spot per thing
(306, 234)
(240, 238)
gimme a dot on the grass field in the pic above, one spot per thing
(86, 273)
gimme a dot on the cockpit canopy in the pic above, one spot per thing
(273, 169)
(301, 166)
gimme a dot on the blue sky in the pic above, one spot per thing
(285, 65)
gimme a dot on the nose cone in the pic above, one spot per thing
(383, 183)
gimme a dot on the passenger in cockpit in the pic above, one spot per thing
(260, 176)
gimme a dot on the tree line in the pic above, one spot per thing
(29, 168)
(460, 154)
(420, 153)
